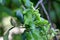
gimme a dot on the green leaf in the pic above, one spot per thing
(27, 3)
(36, 34)
(29, 36)
(17, 37)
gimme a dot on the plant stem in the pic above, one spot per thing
(40, 1)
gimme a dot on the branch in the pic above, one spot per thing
(45, 12)
(40, 2)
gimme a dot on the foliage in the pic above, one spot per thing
(37, 28)
(53, 9)
(33, 20)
